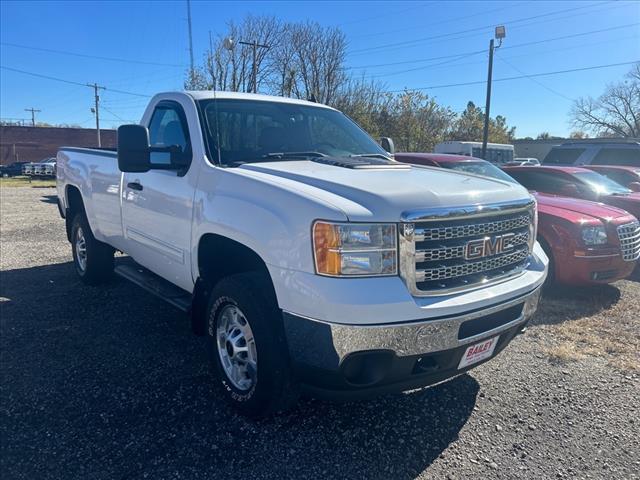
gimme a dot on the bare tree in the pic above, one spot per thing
(614, 113)
(319, 54)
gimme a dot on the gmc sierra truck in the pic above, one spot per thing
(311, 260)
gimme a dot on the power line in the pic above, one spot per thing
(449, 20)
(542, 74)
(534, 80)
(399, 72)
(71, 82)
(116, 115)
(443, 35)
(83, 55)
(519, 45)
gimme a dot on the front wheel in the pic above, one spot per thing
(247, 347)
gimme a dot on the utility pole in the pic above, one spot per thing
(255, 45)
(33, 115)
(96, 109)
(500, 33)
(190, 37)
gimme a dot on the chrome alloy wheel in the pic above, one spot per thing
(237, 348)
(81, 249)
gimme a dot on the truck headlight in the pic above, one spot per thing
(355, 249)
(594, 235)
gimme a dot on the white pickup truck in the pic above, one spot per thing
(310, 258)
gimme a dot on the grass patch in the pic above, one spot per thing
(609, 330)
(27, 182)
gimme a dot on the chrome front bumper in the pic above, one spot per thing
(325, 345)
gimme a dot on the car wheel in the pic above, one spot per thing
(92, 259)
(247, 347)
(551, 273)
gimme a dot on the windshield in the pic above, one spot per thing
(479, 168)
(254, 130)
(601, 184)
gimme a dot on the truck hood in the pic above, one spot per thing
(383, 193)
(577, 210)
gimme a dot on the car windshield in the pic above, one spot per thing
(601, 184)
(253, 131)
(479, 168)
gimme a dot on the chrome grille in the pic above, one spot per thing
(455, 271)
(629, 236)
(457, 251)
(439, 252)
(460, 231)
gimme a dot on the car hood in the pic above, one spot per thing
(577, 210)
(630, 203)
(384, 193)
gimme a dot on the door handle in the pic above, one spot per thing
(134, 186)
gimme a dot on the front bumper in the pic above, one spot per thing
(586, 270)
(347, 360)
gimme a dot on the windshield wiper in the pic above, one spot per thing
(279, 155)
(372, 155)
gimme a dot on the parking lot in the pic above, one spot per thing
(109, 382)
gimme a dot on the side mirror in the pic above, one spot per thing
(387, 144)
(133, 149)
(136, 156)
(634, 186)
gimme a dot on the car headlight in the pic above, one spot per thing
(355, 249)
(594, 235)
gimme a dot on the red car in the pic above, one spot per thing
(626, 176)
(577, 182)
(587, 242)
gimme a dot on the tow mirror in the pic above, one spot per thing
(634, 186)
(133, 148)
(387, 144)
(135, 155)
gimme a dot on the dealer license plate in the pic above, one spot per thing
(478, 351)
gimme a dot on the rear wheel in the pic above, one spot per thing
(247, 347)
(93, 259)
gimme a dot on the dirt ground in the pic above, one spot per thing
(109, 383)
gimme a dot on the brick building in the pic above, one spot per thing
(32, 144)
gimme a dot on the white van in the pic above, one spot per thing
(496, 152)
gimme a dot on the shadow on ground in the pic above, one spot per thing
(49, 199)
(561, 303)
(109, 382)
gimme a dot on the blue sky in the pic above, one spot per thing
(602, 33)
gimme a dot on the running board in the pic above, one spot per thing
(155, 285)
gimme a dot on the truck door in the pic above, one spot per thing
(157, 205)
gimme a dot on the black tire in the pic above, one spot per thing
(94, 261)
(550, 281)
(269, 387)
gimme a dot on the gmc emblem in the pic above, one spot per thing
(488, 246)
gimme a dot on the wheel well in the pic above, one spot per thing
(219, 257)
(74, 205)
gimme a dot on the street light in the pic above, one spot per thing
(229, 43)
(500, 34)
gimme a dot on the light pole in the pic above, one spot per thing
(500, 33)
(229, 44)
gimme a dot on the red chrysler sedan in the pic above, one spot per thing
(586, 242)
(577, 182)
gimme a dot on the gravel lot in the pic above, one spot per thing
(110, 383)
